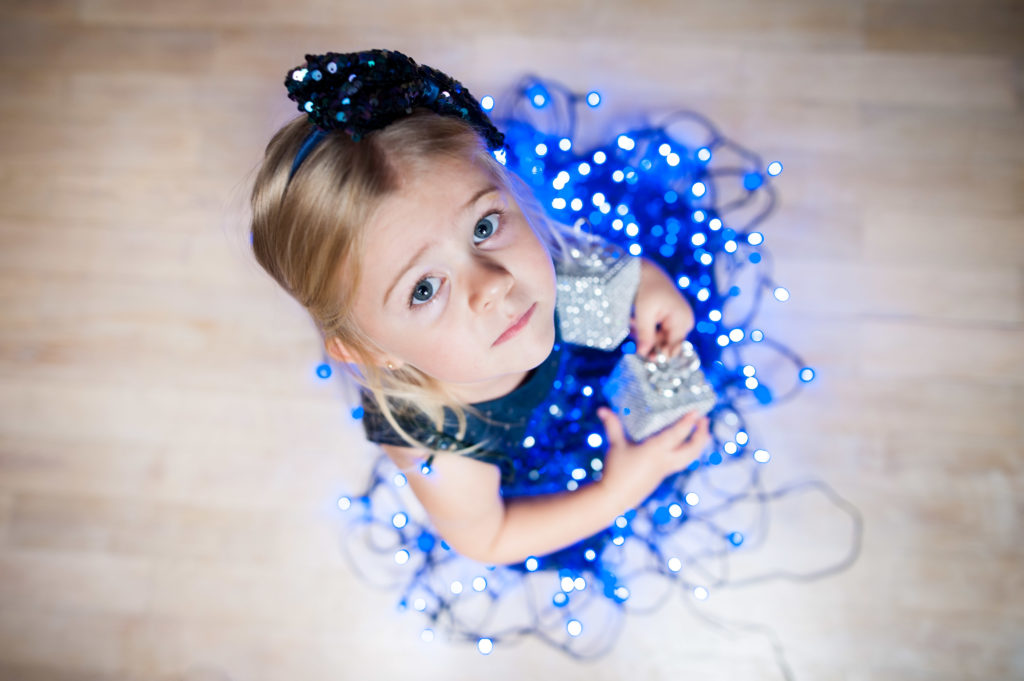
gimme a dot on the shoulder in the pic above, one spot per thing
(448, 485)
(379, 430)
(408, 459)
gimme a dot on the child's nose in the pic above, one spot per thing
(490, 283)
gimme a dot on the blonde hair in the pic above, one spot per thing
(307, 233)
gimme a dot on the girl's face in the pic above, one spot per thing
(455, 283)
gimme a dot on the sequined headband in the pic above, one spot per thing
(358, 92)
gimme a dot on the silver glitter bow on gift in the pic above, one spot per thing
(652, 394)
(596, 287)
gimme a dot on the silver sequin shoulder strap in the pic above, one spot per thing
(597, 283)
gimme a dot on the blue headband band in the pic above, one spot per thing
(311, 141)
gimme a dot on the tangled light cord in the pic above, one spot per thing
(694, 206)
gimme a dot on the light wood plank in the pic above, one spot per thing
(169, 462)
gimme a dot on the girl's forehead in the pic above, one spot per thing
(426, 200)
(441, 170)
(439, 190)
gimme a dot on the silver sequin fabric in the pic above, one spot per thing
(596, 287)
(650, 395)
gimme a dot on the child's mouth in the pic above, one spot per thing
(516, 327)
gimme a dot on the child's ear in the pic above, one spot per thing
(339, 352)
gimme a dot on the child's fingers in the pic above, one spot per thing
(692, 448)
(678, 432)
(663, 335)
(669, 342)
(645, 333)
(674, 329)
(612, 426)
(700, 437)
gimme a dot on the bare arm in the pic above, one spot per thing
(662, 317)
(461, 495)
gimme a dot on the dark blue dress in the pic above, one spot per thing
(541, 435)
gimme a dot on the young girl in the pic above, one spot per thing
(413, 251)
(431, 272)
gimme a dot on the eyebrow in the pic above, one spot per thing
(416, 256)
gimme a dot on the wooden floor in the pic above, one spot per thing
(169, 461)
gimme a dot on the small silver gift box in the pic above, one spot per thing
(652, 394)
(596, 287)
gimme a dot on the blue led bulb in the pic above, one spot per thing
(538, 95)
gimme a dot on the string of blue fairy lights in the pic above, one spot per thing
(647, 190)
(694, 205)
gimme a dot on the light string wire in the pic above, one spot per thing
(529, 126)
(537, 120)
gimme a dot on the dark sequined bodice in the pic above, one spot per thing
(544, 436)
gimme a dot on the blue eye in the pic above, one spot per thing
(487, 226)
(424, 290)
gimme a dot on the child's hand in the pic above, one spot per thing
(661, 316)
(633, 470)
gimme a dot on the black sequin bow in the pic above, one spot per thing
(359, 92)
